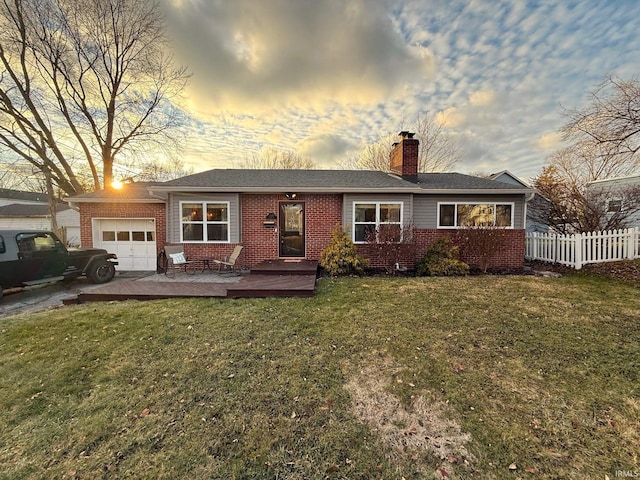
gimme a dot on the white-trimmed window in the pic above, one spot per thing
(465, 215)
(370, 216)
(204, 222)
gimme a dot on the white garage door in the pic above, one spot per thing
(133, 240)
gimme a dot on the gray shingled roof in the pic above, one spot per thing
(316, 181)
(138, 191)
(289, 179)
(22, 210)
(458, 181)
(29, 210)
(20, 195)
(343, 180)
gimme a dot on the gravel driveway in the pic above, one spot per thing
(41, 297)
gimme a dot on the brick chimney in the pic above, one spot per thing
(404, 157)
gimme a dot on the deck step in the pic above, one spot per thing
(286, 267)
(262, 286)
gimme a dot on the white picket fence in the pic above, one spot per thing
(583, 248)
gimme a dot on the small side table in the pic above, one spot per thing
(206, 264)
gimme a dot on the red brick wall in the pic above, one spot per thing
(510, 258)
(260, 242)
(122, 210)
(322, 213)
(404, 158)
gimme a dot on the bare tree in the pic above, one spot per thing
(479, 246)
(393, 245)
(604, 140)
(16, 175)
(155, 171)
(272, 158)
(84, 81)
(438, 150)
(374, 156)
(611, 121)
(572, 206)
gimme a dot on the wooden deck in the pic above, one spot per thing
(274, 278)
(139, 290)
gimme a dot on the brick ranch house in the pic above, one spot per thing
(290, 214)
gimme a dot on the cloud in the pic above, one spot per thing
(326, 150)
(451, 118)
(549, 141)
(301, 73)
(484, 98)
(249, 56)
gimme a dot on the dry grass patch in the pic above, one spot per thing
(423, 427)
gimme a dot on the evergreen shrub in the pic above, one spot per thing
(442, 259)
(340, 256)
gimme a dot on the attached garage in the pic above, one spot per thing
(133, 240)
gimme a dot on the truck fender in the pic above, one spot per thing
(109, 256)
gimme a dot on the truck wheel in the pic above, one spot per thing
(101, 271)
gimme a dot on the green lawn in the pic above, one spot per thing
(372, 378)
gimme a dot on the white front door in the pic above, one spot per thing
(133, 240)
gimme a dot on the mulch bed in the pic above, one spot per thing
(626, 271)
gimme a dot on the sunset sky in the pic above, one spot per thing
(327, 77)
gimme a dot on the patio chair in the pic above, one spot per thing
(176, 259)
(230, 261)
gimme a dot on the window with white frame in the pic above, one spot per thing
(371, 216)
(204, 221)
(465, 215)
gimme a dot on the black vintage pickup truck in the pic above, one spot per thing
(30, 257)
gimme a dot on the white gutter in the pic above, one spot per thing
(114, 200)
(416, 190)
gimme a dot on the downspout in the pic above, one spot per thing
(527, 198)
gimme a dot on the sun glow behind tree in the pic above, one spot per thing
(84, 82)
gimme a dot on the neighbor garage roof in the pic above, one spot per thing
(24, 210)
(137, 192)
(24, 196)
(29, 210)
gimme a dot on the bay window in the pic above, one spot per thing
(204, 221)
(369, 217)
(466, 215)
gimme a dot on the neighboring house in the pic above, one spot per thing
(290, 214)
(620, 194)
(535, 202)
(30, 210)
